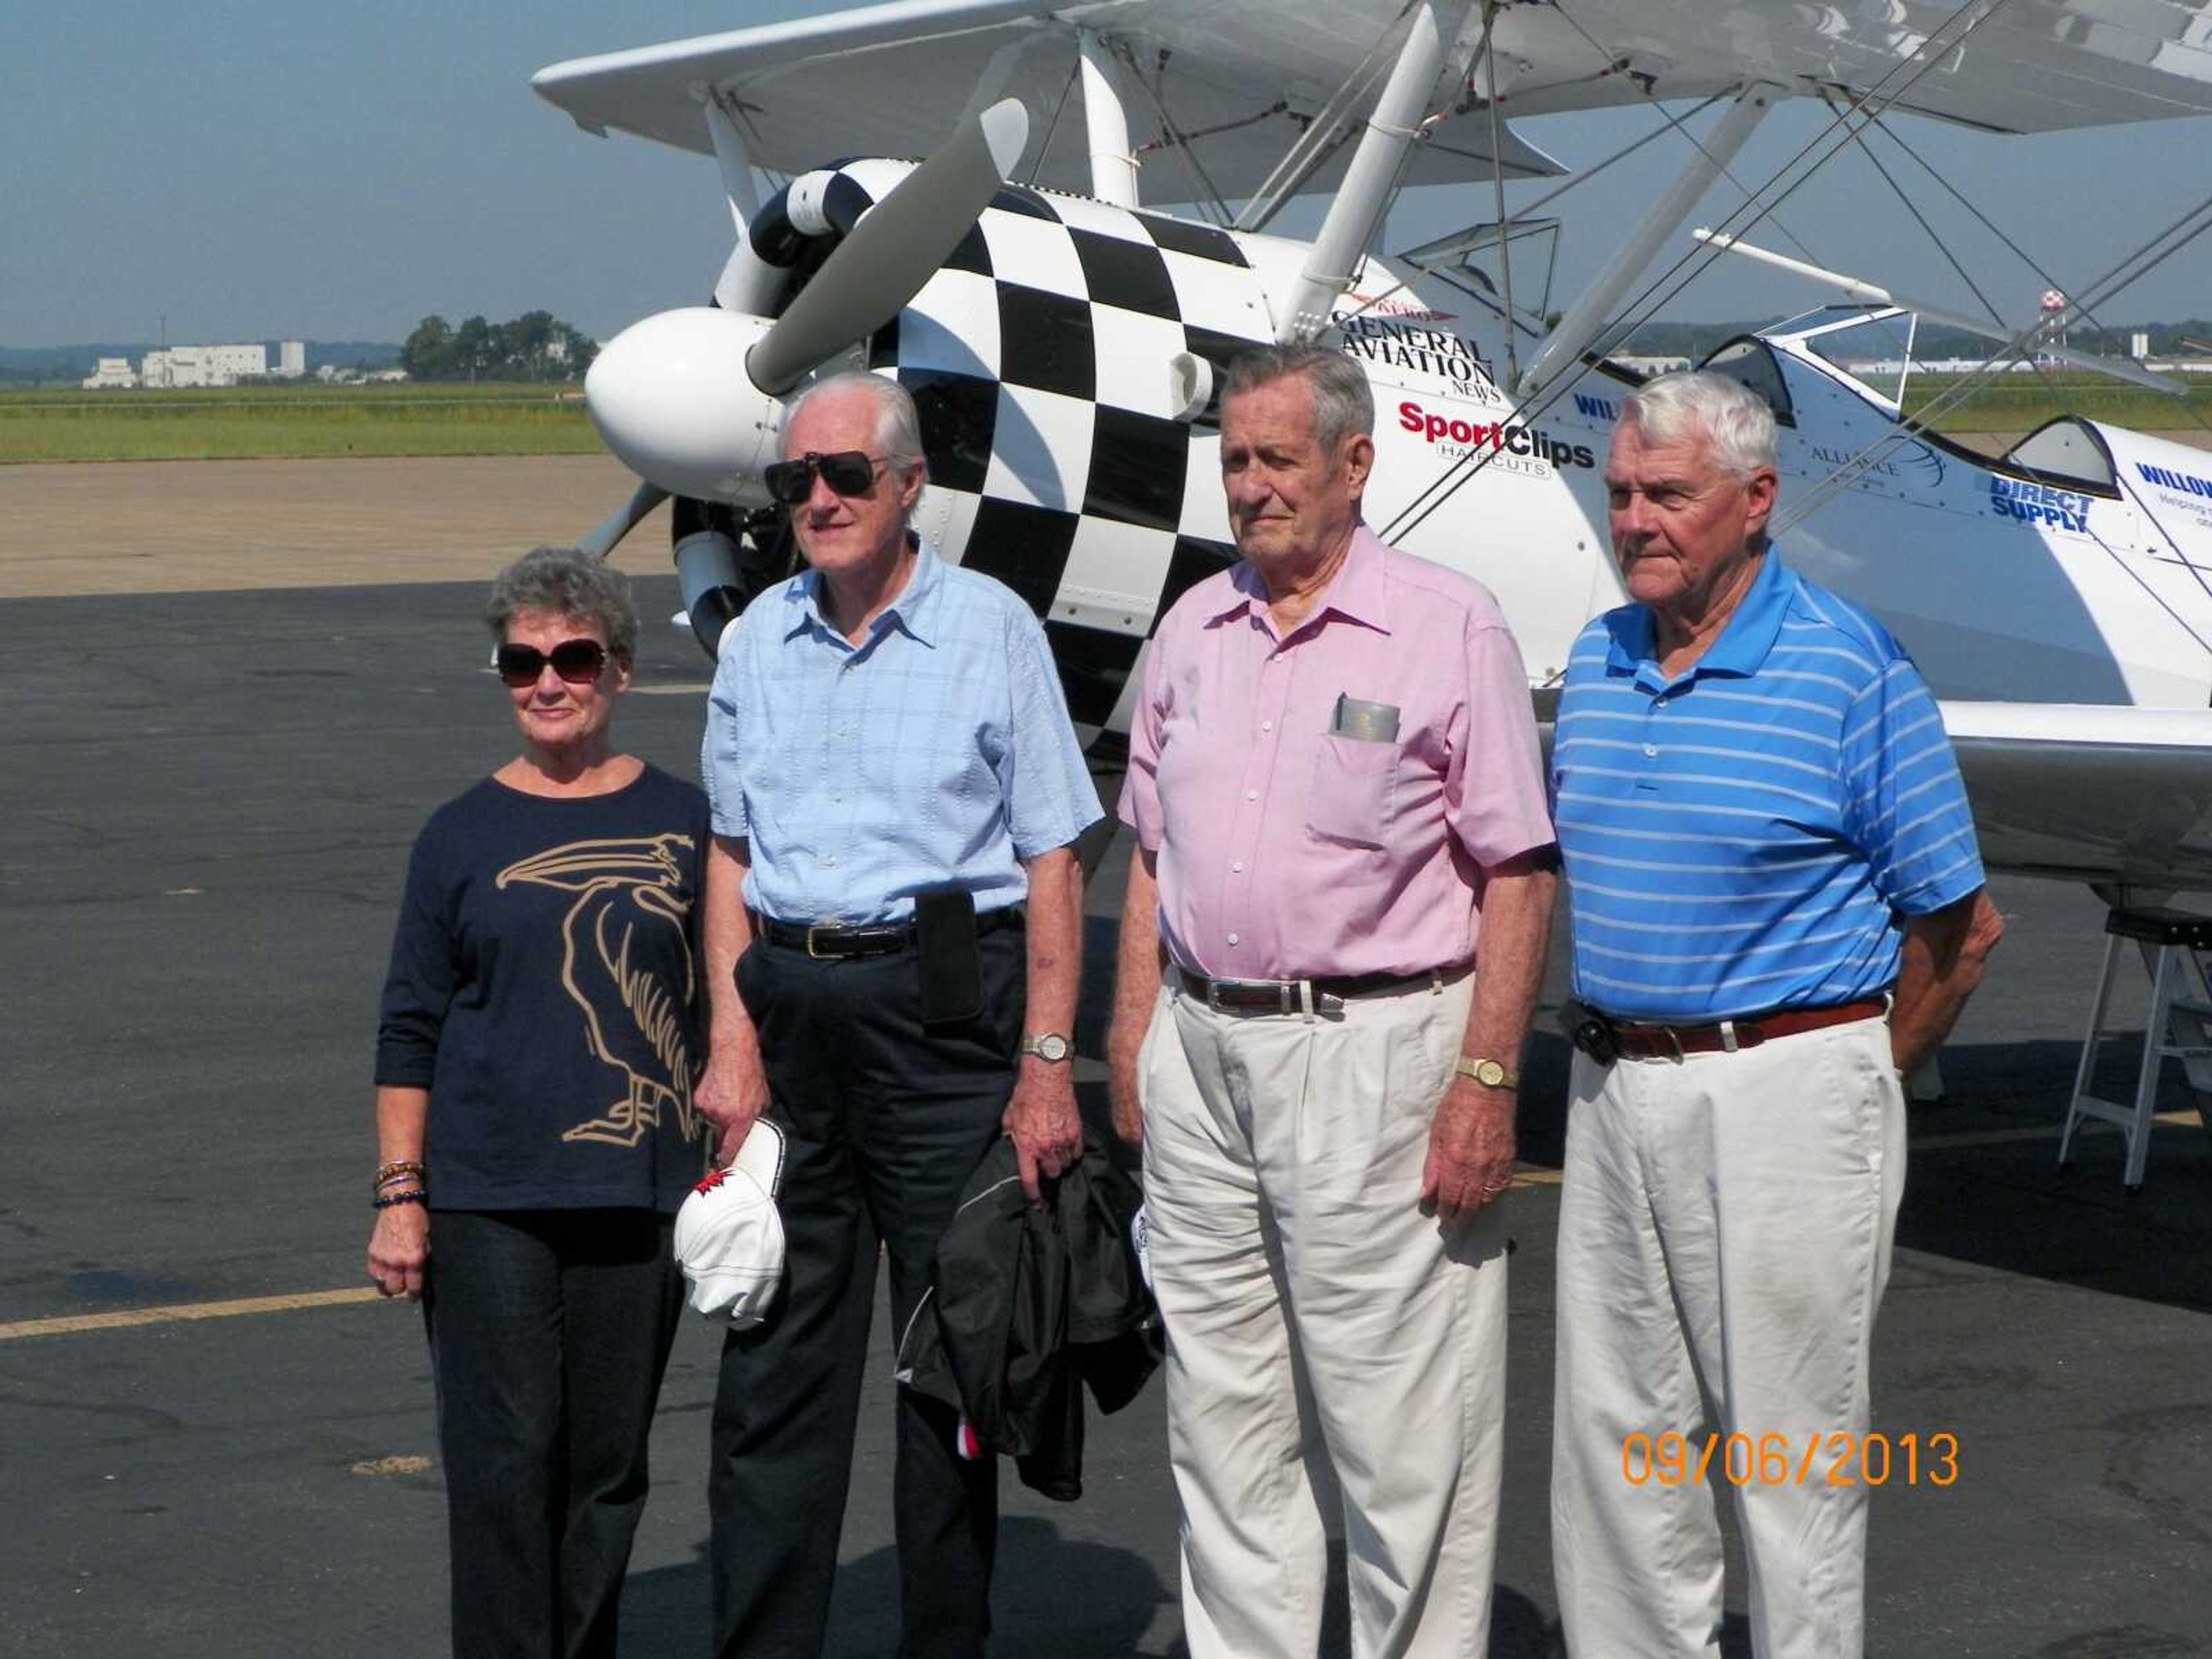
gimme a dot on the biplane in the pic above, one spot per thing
(1063, 335)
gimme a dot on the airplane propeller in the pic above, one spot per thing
(898, 245)
(692, 400)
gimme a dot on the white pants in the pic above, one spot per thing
(1724, 1238)
(1333, 1356)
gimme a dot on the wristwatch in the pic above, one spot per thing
(1488, 1072)
(1048, 1046)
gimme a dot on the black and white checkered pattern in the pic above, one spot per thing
(1038, 358)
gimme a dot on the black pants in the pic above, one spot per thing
(886, 1123)
(550, 1330)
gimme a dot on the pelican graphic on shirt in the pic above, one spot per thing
(633, 1020)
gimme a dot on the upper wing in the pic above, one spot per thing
(2111, 794)
(1223, 88)
(1223, 84)
(2028, 66)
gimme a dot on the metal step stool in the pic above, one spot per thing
(2179, 1027)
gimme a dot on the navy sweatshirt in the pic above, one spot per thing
(545, 989)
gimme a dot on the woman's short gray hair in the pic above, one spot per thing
(1733, 420)
(898, 424)
(1342, 403)
(566, 581)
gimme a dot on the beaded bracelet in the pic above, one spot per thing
(415, 1195)
(405, 1166)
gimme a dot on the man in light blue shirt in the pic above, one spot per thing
(892, 919)
(1778, 907)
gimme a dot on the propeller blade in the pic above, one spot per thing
(624, 520)
(899, 245)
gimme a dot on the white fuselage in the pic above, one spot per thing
(1065, 459)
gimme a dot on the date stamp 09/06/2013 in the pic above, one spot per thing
(1781, 1459)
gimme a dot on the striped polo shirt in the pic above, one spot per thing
(1742, 837)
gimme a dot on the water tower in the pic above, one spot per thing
(2054, 318)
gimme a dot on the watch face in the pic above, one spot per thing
(1490, 1074)
(1051, 1046)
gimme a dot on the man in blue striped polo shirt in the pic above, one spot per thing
(1777, 908)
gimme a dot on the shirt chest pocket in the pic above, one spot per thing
(1352, 791)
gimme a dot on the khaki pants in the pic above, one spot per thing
(1335, 1358)
(1724, 1238)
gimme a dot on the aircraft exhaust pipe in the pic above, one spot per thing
(721, 568)
(706, 570)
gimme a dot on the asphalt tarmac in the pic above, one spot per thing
(208, 803)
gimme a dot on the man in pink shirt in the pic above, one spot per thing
(1334, 783)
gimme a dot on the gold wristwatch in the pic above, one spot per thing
(1047, 1046)
(1488, 1072)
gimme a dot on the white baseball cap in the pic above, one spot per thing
(729, 1238)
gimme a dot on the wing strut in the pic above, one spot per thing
(1106, 120)
(1580, 328)
(748, 282)
(1358, 207)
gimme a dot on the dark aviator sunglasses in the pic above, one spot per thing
(579, 662)
(846, 471)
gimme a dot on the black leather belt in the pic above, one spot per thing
(832, 942)
(1289, 996)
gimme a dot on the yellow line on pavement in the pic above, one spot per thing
(123, 1318)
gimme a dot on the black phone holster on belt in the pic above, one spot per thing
(1589, 1032)
(947, 957)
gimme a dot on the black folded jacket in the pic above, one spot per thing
(1029, 1305)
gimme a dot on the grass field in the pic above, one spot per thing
(2019, 403)
(322, 423)
(293, 422)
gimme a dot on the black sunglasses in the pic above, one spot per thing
(848, 471)
(579, 662)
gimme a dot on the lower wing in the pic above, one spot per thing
(2103, 793)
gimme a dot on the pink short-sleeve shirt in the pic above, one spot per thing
(1288, 851)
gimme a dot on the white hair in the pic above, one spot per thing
(898, 425)
(1732, 418)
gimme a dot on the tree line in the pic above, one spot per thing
(535, 346)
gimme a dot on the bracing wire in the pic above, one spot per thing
(1933, 48)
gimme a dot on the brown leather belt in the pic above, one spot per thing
(1288, 996)
(1636, 1042)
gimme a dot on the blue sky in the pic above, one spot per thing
(251, 174)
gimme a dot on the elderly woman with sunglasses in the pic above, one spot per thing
(535, 1127)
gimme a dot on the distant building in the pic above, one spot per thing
(188, 366)
(291, 360)
(110, 373)
(1651, 365)
(386, 375)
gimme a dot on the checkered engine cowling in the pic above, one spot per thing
(1039, 361)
